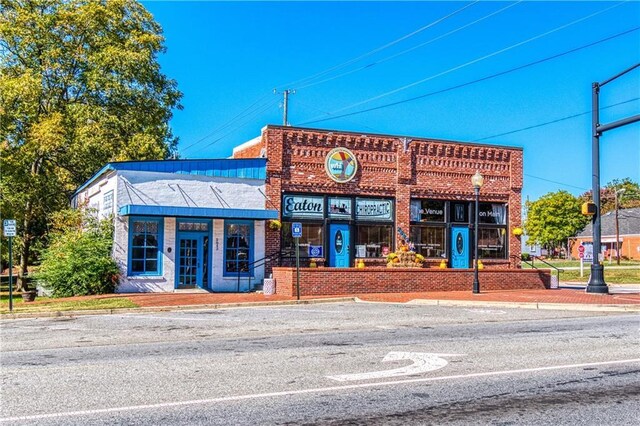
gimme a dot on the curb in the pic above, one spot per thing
(530, 305)
(56, 314)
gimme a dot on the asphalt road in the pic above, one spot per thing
(323, 364)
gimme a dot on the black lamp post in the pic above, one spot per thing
(476, 180)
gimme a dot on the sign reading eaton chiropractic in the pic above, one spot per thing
(301, 206)
(368, 209)
(341, 165)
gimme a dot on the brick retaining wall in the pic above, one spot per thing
(340, 281)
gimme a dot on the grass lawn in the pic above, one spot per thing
(563, 263)
(48, 304)
(611, 276)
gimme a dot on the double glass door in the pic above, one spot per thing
(193, 260)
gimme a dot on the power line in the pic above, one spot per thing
(482, 58)
(469, 83)
(558, 183)
(250, 111)
(378, 49)
(552, 121)
(255, 113)
(388, 58)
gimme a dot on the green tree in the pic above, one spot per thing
(553, 218)
(78, 261)
(80, 86)
(627, 199)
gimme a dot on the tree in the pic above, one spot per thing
(80, 86)
(628, 199)
(78, 261)
(553, 218)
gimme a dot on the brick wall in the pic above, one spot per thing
(393, 167)
(341, 281)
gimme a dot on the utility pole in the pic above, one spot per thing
(596, 282)
(619, 191)
(285, 106)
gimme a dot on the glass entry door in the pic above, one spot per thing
(193, 260)
(339, 242)
(460, 247)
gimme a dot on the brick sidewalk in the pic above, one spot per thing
(515, 296)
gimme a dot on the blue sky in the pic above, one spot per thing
(342, 58)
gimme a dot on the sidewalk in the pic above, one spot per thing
(562, 299)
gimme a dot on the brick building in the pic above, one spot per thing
(359, 195)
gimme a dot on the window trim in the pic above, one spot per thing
(252, 243)
(160, 257)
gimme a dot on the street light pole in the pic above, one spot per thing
(619, 191)
(476, 180)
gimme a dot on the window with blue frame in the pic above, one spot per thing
(238, 248)
(145, 246)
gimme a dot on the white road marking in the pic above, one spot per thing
(422, 363)
(309, 391)
(486, 311)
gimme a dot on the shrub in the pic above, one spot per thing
(525, 257)
(78, 261)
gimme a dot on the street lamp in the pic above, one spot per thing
(619, 191)
(476, 180)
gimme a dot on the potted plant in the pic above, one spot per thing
(275, 224)
(27, 294)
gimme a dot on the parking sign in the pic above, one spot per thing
(296, 229)
(9, 227)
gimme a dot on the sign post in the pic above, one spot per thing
(9, 227)
(581, 255)
(296, 232)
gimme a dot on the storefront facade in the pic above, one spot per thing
(184, 224)
(359, 196)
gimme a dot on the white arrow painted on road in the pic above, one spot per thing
(422, 362)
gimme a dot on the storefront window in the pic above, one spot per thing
(238, 248)
(373, 240)
(492, 213)
(145, 246)
(429, 240)
(459, 212)
(311, 236)
(492, 243)
(427, 211)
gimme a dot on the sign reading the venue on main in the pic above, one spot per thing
(302, 206)
(341, 165)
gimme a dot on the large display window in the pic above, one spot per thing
(429, 241)
(312, 236)
(373, 240)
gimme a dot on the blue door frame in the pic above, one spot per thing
(460, 247)
(193, 260)
(339, 245)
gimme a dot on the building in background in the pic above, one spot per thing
(628, 232)
(358, 196)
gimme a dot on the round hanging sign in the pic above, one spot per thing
(341, 165)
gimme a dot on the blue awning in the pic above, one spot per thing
(201, 212)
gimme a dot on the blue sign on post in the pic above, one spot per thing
(296, 230)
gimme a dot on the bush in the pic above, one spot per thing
(525, 257)
(78, 261)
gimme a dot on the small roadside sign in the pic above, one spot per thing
(580, 249)
(581, 255)
(9, 227)
(296, 230)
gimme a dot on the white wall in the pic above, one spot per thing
(230, 284)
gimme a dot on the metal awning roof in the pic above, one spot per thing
(201, 212)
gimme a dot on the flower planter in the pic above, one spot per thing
(29, 296)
